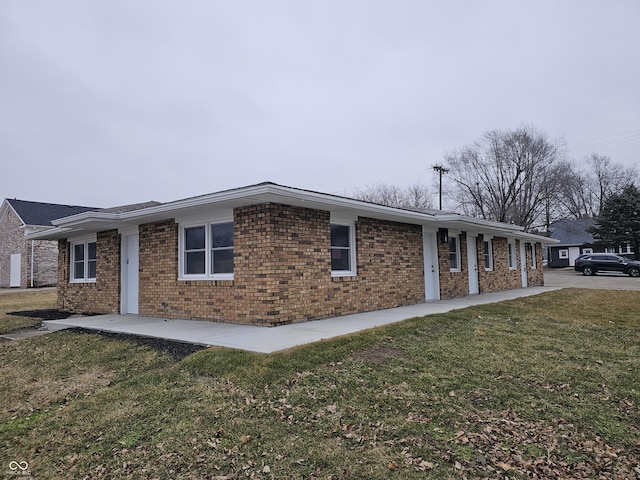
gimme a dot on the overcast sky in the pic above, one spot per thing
(109, 102)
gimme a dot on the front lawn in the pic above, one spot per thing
(542, 387)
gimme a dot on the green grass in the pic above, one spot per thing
(24, 300)
(545, 384)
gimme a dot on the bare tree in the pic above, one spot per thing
(413, 196)
(507, 176)
(585, 186)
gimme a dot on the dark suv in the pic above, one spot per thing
(606, 262)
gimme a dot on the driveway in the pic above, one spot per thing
(569, 278)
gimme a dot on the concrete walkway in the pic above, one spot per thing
(267, 340)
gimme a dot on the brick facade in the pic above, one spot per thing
(101, 296)
(282, 270)
(13, 241)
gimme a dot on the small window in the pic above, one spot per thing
(585, 251)
(83, 261)
(532, 250)
(454, 253)
(512, 255)
(342, 250)
(564, 254)
(488, 255)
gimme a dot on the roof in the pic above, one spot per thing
(42, 214)
(268, 192)
(572, 232)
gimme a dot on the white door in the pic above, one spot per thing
(431, 276)
(523, 265)
(14, 272)
(472, 255)
(130, 274)
(574, 252)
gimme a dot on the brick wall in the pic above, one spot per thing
(101, 296)
(453, 284)
(12, 241)
(501, 277)
(282, 270)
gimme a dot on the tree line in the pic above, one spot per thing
(522, 176)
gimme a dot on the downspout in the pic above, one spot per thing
(31, 276)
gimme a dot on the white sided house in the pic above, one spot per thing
(268, 254)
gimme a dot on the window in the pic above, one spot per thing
(342, 250)
(488, 255)
(564, 253)
(532, 251)
(585, 251)
(454, 253)
(83, 261)
(207, 251)
(512, 255)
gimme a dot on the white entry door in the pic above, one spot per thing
(14, 272)
(130, 262)
(431, 277)
(472, 255)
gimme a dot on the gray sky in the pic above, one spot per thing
(105, 103)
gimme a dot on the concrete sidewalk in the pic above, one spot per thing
(267, 340)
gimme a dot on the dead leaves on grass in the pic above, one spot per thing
(538, 449)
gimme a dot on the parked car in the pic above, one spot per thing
(606, 262)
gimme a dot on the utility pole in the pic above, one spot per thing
(441, 170)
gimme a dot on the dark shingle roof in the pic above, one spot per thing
(572, 232)
(41, 214)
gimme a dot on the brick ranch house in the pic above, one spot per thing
(268, 255)
(29, 263)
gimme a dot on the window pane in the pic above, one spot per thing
(194, 263)
(222, 234)
(78, 252)
(453, 253)
(194, 238)
(78, 270)
(340, 259)
(339, 235)
(92, 269)
(92, 250)
(222, 261)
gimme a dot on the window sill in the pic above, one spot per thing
(213, 278)
(82, 281)
(345, 273)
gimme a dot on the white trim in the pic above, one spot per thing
(487, 240)
(512, 256)
(130, 230)
(353, 270)
(221, 216)
(458, 256)
(206, 222)
(431, 267)
(85, 241)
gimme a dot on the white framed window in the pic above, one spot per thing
(488, 255)
(343, 249)
(564, 254)
(585, 251)
(454, 253)
(83, 260)
(206, 249)
(532, 250)
(511, 245)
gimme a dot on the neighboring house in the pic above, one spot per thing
(29, 263)
(268, 255)
(574, 239)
